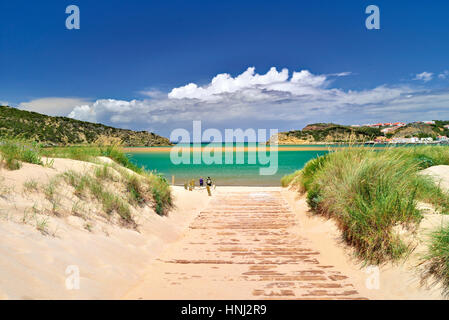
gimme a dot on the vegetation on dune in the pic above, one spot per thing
(437, 258)
(90, 153)
(369, 192)
(140, 186)
(288, 179)
(63, 131)
(111, 202)
(14, 152)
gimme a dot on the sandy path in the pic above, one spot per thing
(244, 245)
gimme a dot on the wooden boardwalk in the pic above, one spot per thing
(243, 247)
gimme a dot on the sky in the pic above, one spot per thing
(159, 65)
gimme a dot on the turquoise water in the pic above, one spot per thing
(224, 174)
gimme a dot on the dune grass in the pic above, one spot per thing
(13, 152)
(288, 179)
(368, 192)
(110, 201)
(30, 185)
(437, 258)
(89, 153)
(143, 188)
(160, 190)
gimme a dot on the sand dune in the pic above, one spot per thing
(116, 262)
(110, 258)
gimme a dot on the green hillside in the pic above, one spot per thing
(61, 131)
(328, 132)
(336, 133)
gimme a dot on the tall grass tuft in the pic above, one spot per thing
(161, 192)
(368, 192)
(109, 200)
(288, 179)
(437, 258)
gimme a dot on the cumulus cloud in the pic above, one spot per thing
(251, 85)
(52, 106)
(424, 76)
(256, 100)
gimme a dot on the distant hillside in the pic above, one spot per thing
(327, 133)
(422, 130)
(15, 123)
(336, 133)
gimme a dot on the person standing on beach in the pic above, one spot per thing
(209, 181)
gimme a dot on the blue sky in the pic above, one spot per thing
(128, 56)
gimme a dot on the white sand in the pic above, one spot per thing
(395, 281)
(440, 174)
(110, 259)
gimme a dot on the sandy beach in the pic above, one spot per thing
(236, 149)
(241, 243)
(110, 257)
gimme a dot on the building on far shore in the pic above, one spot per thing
(382, 124)
(381, 139)
(405, 140)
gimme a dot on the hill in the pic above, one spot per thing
(60, 131)
(336, 133)
(422, 130)
(327, 133)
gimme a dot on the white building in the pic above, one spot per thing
(405, 140)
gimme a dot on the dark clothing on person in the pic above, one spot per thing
(209, 182)
(201, 182)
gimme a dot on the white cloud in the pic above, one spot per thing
(253, 100)
(153, 93)
(224, 83)
(52, 106)
(444, 74)
(424, 76)
(341, 74)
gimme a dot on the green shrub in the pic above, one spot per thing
(15, 151)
